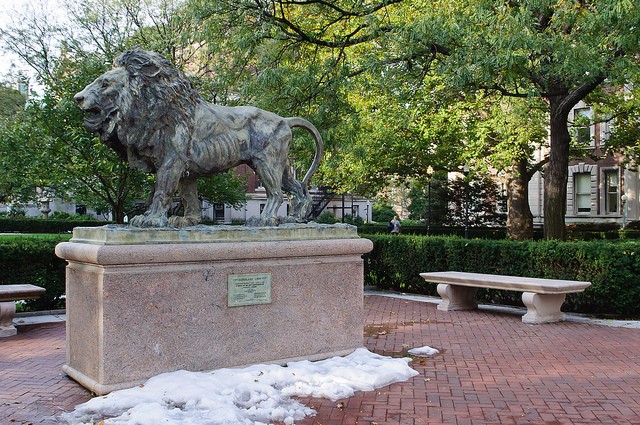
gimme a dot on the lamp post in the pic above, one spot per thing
(465, 171)
(624, 199)
(429, 175)
(367, 211)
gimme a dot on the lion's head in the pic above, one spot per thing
(101, 101)
(135, 106)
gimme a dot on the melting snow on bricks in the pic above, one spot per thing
(259, 394)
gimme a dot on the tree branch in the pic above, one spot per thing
(276, 13)
(578, 94)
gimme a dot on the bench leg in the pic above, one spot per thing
(543, 308)
(7, 311)
(457, 297)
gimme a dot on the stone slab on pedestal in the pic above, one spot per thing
(141, 302)
(543, 308)
(456, 297)
(542, 297)
(9, 294)
(7, 311)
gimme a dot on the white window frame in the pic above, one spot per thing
(607, 194)
(577, 196)
(586, 112)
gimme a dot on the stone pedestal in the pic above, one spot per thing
(7, 311)
(543, 308)
(456, 297)
(141, 302)
(9, 294)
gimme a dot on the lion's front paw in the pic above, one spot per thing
(136, 221)
(149, 221)
(259, 221)
(178, 221)
(291, 219)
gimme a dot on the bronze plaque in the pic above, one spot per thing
(248, 289)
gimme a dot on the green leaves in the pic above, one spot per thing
(394, 86)
(612, 267)
(227, 188)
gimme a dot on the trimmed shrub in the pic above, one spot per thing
(629, 234)
(575, 232)
(592, 231)
(326, 218)
(39, 225)
(612, 268)
(396, 262)
(354, 220)
(33, 260)
(633, 225)
(421, 229)
(592, 227)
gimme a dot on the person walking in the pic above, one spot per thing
(395, 225)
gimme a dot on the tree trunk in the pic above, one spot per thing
(556, 173)
(519, 217)
(118, 214)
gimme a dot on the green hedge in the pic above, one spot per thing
(583, 232)
(421, 229)
(39, 225)
(32, 260)
(397, 261)
(613, 268)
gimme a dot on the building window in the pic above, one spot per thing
(582, 121)
(218, 212)
(582, 184)
(611, 191)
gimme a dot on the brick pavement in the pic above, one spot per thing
(492, 369)
(33, 388)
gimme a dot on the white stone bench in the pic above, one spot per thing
(542, 297)
(9, 294)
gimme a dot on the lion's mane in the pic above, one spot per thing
(157, 100)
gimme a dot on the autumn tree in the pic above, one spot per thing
(14, 180)
(61, 156)
(429, 199)
(509, 136)
(558, 52)
(620, 108)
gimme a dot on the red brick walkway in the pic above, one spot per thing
(33, 388)
(492, 369)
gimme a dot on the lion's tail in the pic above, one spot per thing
(302, 123)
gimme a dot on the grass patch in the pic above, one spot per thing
(9, 237)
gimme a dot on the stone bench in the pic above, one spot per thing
(542, 297)
(9, 294)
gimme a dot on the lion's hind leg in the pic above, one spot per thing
(271, 177)
(300, 198)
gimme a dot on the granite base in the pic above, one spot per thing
(137, 308)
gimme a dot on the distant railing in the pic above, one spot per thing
(321, 198)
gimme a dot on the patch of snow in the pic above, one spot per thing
(258, 394)
(425, 351)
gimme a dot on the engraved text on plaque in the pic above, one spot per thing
(248, 289)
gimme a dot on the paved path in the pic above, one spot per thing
(33, 388)
(492, 369)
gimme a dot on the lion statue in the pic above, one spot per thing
(149, 113)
